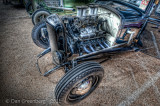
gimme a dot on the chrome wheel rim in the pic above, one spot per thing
(83, 89)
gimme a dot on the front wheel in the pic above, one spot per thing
(40, 35)
(78, 83)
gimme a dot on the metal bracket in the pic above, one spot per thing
(131, 37)
(51, 70)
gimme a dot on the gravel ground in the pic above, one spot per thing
(131, 78)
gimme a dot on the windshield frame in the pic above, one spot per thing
(129, 4)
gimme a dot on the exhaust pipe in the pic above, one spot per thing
(52, 37)
(91, 47)
(105, 44)
(52, 22)
(86, 50)
(100, 44)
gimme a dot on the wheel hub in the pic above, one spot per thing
(83, 87)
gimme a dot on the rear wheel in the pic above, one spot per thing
(78, 83)
(39, 15)
(40, 35)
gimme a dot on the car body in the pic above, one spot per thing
(96, 31)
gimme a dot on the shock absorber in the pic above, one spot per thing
(52, 22)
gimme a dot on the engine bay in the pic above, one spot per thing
(94, 28)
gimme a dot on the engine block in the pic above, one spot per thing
(84, 32)
(87, 27)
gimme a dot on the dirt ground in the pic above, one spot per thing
(132, 78)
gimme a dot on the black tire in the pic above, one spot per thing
(64, 89)
(37, 37)
(39, 15)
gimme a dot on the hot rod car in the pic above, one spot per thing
(97, 31)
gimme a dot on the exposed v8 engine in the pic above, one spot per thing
(83, 32)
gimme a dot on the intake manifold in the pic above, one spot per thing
(93, 9)
(81, 11)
